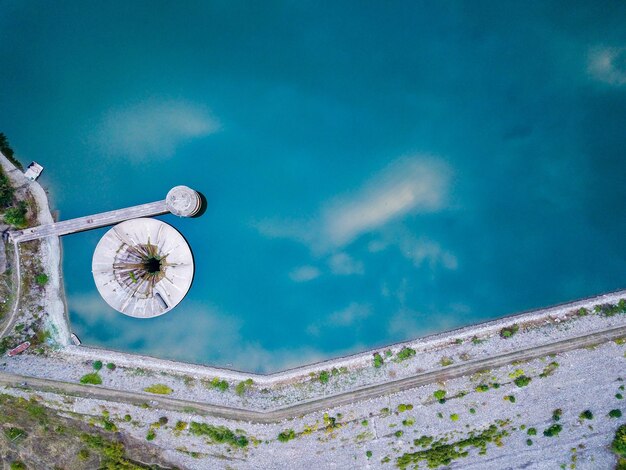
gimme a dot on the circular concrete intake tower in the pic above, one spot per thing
(143, 267)
(183, 201)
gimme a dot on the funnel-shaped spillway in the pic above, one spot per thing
(142, 267)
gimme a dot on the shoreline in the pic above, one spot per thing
(58, 319)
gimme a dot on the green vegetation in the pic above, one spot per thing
(18, 465)
(609, 310)
(522, 381)
(91, 379)
(472, 411)
(218, 384)
(242, 386)
(476, 341)
(619, 441)
(7, 151)
(110, 366)
(218, 434)
(287, 435)
(404, 407)
(151, 435)
(7, 193)
(443, 453)
(180, 426)
(532, 431)
(378, 360)
(529, 442)
(582, 312)
(482, 388)
(549, 370)
(404, 354)
(509, 331)
(127, 418)
(446, 361)
(324, 376)
(553, 430)
(41, 279)
(615, 414)
(364, 422)
(14, 434)
(398, 433)
(556, 414)
(587, 414)
(454, 417)
(408, 422)
(619, 396)
(368, 454)
(159, 389)
(510, 398)
(16, 216)
(440, 395)
(97, 365)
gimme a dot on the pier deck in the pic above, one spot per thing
(89, 222)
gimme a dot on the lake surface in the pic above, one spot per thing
(373, 173)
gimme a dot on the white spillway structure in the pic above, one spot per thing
(143, 267)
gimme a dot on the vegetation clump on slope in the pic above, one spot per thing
(442, 453)
(218, 434)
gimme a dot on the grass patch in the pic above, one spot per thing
(92, 379)
(159, 389)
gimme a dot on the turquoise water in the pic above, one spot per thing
(374, 172)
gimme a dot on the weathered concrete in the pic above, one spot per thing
(89, 222)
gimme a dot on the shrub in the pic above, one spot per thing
(151, 435)
(439, 394)
(127, 418)
(408, 422)
(472, 411)
(221, 385)
(582, 311)
(180, 426)
(549, 370)
(587, 414)
(510, 398)
(163, 420)
(553, 430)
(16, 216)
(7, 151)
(41, 279)
(17, 465)
(364, 422)
(368, 454)
(529, 442)
(522, 381)
(92, 379)
(619, 441)
(404, 354)
(615, 414)
(218, 434)
(556, 414)
(446, 361)
(619, 396)
(242, 386)
(110, 366)
(324, 376)
(454, 417)
(402, 407)
(531, 432)
(287, 435)
(97, 365)
(509, 331)
(159, 389)
(378, 360)
(398, 433)
(482, 388)
(83, 454)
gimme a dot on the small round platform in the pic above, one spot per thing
(183, 201)
(143, 267)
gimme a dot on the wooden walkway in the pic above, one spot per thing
(89, 222)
